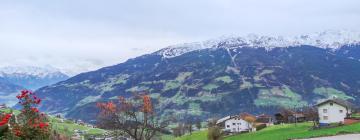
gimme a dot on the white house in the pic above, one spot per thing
(333, 111)
(234, 124)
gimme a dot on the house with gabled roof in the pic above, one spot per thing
(289, 116)
(236, 123)
(334, 111)
(265, 119)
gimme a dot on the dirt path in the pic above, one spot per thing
(340, 137)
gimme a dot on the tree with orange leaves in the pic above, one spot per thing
(134, 117)
(147, 107)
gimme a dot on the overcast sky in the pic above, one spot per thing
(82, 35)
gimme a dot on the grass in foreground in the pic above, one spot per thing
(198, 135)
(282, 132)
(290, 131)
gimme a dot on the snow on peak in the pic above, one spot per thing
(41, 72)
(327, 39)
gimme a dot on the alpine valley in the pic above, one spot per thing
(229, 75)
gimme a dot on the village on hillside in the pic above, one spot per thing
(328, 113)
(135, 119)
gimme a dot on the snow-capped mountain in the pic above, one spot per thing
(40, 72)
(224, 76)
(326, 40)
(32, 77)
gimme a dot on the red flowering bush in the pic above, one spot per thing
(31, 124)
(5, 119)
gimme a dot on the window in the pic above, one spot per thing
(325, 110)
(233, 123)
(228, 126)
(331, 104)
(326, 117)
(341, 111)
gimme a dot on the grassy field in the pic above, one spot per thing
(277, 132)
(68, 128)
(357, 115)
(16, 112)
(283, 132)
(290, 131)
(198, 135)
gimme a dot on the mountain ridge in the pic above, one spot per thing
(32, 77)
(13, 79)
(213, 82)
(328, 40)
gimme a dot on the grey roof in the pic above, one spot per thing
(341, 102)
(224, 119)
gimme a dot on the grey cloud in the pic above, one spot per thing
(84, 35)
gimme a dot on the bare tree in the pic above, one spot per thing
(177, 131)
(286, 114)
(198, 124)
(311, 114)
(214, 131)
(189, 128)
